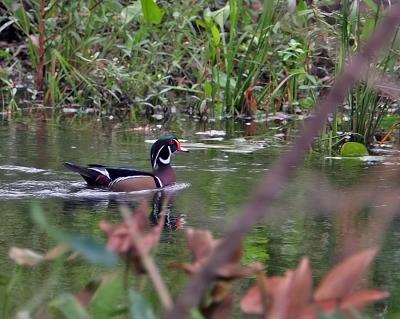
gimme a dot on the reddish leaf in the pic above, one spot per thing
(251, 102)
(251, 302)
(279, 289)
(201, 244)
(309, 312)
(360, 299)
(327, 306)
(345, 276)
(120, 236)
(300, 288)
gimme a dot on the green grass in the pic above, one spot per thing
(146, 57)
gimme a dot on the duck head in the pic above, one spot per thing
(162, 150)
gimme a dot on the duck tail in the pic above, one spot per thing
(91, 176)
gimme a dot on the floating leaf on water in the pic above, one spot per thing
(353, 149)
(212, 133)
(69, 110)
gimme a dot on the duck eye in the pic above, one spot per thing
(171, 142)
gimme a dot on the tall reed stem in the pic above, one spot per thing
(42, 40)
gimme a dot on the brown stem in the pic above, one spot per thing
(273, 183)
(42, 40)
(149, 265)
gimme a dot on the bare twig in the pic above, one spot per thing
(148, 262)
(284, 167)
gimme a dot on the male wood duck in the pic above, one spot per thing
(127, 180)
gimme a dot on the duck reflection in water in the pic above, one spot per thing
(163, 204)
(160, 202)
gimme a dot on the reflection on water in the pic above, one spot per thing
(214, 181)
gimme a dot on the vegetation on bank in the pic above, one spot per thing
(212, 59)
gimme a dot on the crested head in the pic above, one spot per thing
(162, 149)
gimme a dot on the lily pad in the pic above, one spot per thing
(353, 149)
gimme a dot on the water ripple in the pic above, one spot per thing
(22, 169)
(66, 189)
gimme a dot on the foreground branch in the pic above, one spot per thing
(284, 167)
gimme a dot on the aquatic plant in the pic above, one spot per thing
(369, 101)
(146, 56)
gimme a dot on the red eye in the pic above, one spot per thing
(171, 142)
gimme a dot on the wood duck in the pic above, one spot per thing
(127, 180)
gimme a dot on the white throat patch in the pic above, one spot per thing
(165, 161)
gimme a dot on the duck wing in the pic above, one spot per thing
(105, 176)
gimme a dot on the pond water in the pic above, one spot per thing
(214, 180)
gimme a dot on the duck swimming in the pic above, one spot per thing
(127, 180)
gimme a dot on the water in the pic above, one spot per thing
(214, 180)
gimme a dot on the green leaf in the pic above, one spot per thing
(221, 78)
(85, 246)
(221, 15)
(368, 28)
(208, 88)
(131, 12)
(90, 250)
(195, 314)
(311, 78)
(201, 23)
(107, 298)
(353, 149)
(139, 307)
(151, 12)
(372, 5)
(69, 307)
(216, 35)
(38, 217)
(8, 3)
(22, 18)
(5, 54)
(307, 103)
